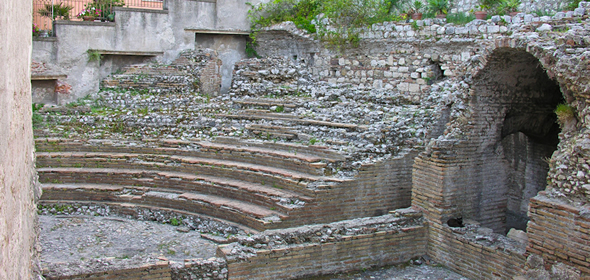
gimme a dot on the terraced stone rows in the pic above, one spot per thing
(180, 182)
(287, 156)
(256, 195)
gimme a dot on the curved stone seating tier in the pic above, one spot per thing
(205, 224)
(265, 175)
(255, 186)
(256, 217)
(288, 157)
(284, 201)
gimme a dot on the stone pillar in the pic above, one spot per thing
(18, 191)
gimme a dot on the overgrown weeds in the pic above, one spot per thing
(337, 22)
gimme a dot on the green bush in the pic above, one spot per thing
(507, 6)
(60, 11)
(438, 7)
(564, 112)
(460, 18)
(337, 22)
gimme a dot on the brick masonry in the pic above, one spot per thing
(560, 232)
(328, 248)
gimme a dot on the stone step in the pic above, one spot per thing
(290, 118)
(248, 214)
(286, 157)
(187, 164)
(272, 131)
(138, 211)
(324, 152)
(287, 105)
(267, 195)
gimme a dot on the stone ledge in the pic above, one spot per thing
(87, 23)
(138, 53)
(45, 39)
(217, 31)
(153, 11)
(47, 77)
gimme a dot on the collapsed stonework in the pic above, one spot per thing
(454, 121)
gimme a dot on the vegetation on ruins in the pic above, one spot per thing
(573, 4)
(565, 113)
(507, 6)
(93, 55)
(438, 7)
(488, 5)
(459, 18)
(337, 22)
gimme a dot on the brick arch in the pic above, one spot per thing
(513, 101)
(510, 131)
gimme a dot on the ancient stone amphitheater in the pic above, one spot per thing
(319, 161)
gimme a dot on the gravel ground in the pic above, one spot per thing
(400, 272)
(79, 243)
(82, 238)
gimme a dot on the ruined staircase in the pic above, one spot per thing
(192, 71)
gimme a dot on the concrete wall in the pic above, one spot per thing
(139, 32)
(18, 195)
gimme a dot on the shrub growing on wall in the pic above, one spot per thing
(335, 21)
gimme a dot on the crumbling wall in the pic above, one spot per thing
(477, 168)
(18, 192)
(329, 248)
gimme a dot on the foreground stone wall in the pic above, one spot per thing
(569, 245)
(18, 192)
(329, 248)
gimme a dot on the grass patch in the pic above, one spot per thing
(460, 18)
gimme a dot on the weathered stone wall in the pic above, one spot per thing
(377, 189)
(329, 248)
(158, 271)
(502, 83)
(476, 252)
(18, 191)
(569, 244)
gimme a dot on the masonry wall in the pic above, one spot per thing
(155, 271)
(378, 189)
(560, 232)
(397, 244)
(391, 56)
(475, 259)
(18, 193)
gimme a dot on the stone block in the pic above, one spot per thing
(544, 27)
(414, 87)
(378, 84)
(493, 29)
(403, 86)
(578, 12)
